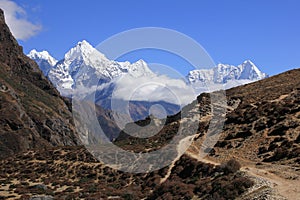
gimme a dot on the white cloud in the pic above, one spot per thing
(16, 19)
(155, 88)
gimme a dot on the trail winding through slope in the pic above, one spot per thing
(282, 188)
(181, 148)
(290, 189)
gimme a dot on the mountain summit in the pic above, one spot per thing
(83, 51)
(83, 65)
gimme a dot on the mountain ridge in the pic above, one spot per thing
(85, 70)
(92, 65)
(220, 74)
(223, 73)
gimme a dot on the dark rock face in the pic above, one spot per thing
(33, 115)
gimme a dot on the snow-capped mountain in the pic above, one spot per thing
(84, 66)
(43, 59)
(223, 74)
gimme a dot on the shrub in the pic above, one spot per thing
(231, 166)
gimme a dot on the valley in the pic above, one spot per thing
(241, 142)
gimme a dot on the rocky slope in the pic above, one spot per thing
(262, 131)
(266, 151)
(33, 114)
(265, 126)
(71, 173)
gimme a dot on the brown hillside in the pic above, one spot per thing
(33, 115)
(265, 126)
(261, 131)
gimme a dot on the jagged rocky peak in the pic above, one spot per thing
(251, 71)
(83, 65)
(83, 50)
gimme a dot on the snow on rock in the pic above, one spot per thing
(85, 66)
(224, 73)
(43, 59)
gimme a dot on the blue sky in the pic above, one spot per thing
(264, 31)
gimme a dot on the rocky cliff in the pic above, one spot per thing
(33, 114)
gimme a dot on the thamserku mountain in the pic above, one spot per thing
(67, 74)
(84, 65)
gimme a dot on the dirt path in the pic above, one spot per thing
(181, 149)
(289, 189)
(200, 158)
